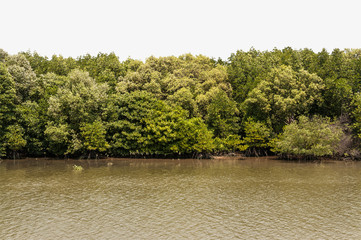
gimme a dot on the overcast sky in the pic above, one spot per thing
(141, 28)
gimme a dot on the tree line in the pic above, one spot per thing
(296, 103)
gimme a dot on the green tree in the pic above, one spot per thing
(14, 140)
(23, 75)
(356, 114)
(256, 139)
(309, 60)
(7, 103)
(247, 69)
(290, 57)
(308, 138)
(337, 96)
(3, 55)
(93, 136)
(171, 105)
(78, 101)
(184, 98)
(139, 123)
(104, 68)
(222, 116)
(58, 138)
(323, 70)
(173, 133)
(30, 117)
(60, 65)
(38, 63)
(195, 137)
(283, 95)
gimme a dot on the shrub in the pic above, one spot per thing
(309, 138)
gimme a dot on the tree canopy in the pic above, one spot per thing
(174, 106)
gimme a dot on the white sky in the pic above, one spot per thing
(141, 28)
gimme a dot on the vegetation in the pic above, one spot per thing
(77, 168)
(256, 138)
(308, 138)
(279, 101)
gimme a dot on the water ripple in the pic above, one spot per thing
(188, 199)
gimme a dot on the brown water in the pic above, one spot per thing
(180, 199)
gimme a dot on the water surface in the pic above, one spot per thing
(179, 199)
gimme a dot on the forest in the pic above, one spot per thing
(293, 103)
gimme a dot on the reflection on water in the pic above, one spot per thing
(179, 199)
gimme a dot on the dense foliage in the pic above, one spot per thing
(309, 137)
(256, 102)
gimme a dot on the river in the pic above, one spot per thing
(231, 198)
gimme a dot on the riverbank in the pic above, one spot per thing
(108, 162)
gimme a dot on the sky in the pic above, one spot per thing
(140, 28)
